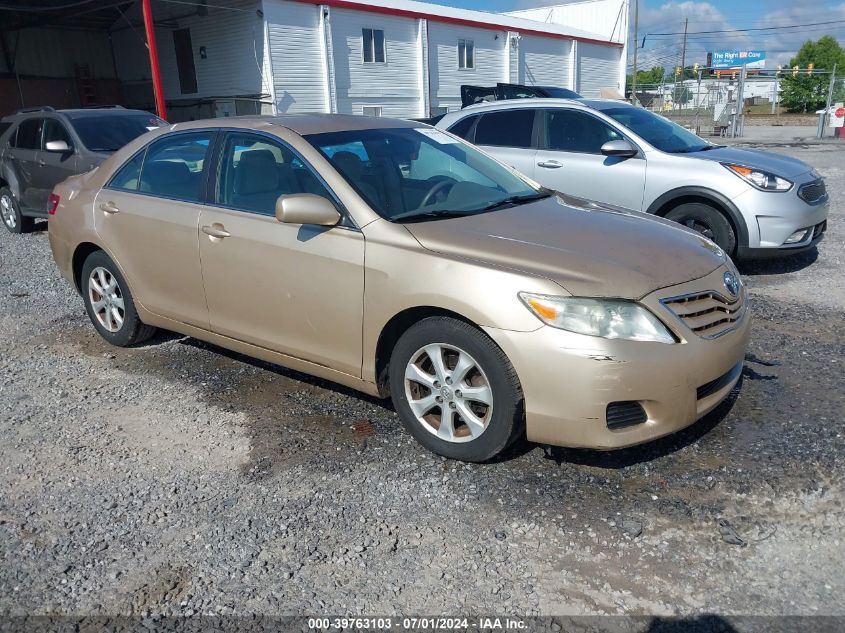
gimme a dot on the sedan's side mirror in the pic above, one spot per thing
(619, 148)
(57, 146)
(306, 208)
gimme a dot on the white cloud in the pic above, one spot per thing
(781, 45)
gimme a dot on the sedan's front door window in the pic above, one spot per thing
(573, 131)
(256, 170)
(175, 165)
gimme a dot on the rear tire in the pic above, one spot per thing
(10, 211)
(708, 221)
(455, 390)
(109, 302)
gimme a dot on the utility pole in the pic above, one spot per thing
(683, 61)
(826, 115)
(736, 127)
(636, 46)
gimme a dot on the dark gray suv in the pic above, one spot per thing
(40, 147)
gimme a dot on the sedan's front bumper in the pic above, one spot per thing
(569, 380)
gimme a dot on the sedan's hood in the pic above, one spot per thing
(777, 164)
(589, 249)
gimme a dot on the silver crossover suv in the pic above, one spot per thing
(751, 203)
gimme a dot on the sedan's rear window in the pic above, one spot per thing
(110, 133)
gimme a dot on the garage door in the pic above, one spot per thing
(598, 67)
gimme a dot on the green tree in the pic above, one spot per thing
(808, 93)
(646, 77)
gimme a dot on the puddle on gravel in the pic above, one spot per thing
(289, 417)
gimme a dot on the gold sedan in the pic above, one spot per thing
(399, 260)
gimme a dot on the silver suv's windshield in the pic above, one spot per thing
(415, 174)
(108, 133)
(657, 130)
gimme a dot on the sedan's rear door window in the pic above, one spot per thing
(175, 166)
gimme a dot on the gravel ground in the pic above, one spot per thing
(178, 478)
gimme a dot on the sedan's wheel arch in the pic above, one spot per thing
(393, 331)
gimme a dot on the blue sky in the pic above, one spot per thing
(660, 16)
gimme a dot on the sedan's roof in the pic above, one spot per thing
(304, 124)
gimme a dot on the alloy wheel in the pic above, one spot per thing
(7, 209)
(106, 299)
(448, 392)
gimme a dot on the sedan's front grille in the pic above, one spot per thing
(813, 192)
(708, 314)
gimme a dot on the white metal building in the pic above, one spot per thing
(380, 57)
(599, 66)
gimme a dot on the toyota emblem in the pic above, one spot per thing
(731, 283)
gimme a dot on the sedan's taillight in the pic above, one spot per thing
(53, 204)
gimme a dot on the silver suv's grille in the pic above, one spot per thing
(709, 314)
(813, 191)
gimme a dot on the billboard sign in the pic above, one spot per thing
(736, 59)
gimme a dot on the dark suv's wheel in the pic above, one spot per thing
(11, 213)
(109, 303)
(455, 390)
(708, 221)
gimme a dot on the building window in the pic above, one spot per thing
(466, 54)
(373, 42)
(372, 111)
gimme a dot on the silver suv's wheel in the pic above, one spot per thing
(455, 390)
(448, 392)
(109, 303)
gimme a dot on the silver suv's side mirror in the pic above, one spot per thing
(620, 148)
(57, 146)
(306, 208)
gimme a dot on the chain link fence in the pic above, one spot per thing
(709, 106)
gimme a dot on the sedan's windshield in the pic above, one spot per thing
(414, 174)
(657, 130)
(109, 133)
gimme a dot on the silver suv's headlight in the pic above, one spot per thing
(608, 318)
(760, 179)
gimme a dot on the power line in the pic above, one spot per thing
(762, 28)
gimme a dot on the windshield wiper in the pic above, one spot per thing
(515, 200)
(442, 214)
(709, 147)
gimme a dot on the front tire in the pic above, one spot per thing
(455, 390)
(708, 221)
(10, 211)
(109, 303)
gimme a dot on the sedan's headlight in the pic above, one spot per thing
(608, 318)
(760, 179)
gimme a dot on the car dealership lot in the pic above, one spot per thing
(179, 478)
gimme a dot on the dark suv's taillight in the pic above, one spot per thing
(53, 204)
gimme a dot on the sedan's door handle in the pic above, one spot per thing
(215, 230)
(41, 163)
(109, 207)
(550, 164)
